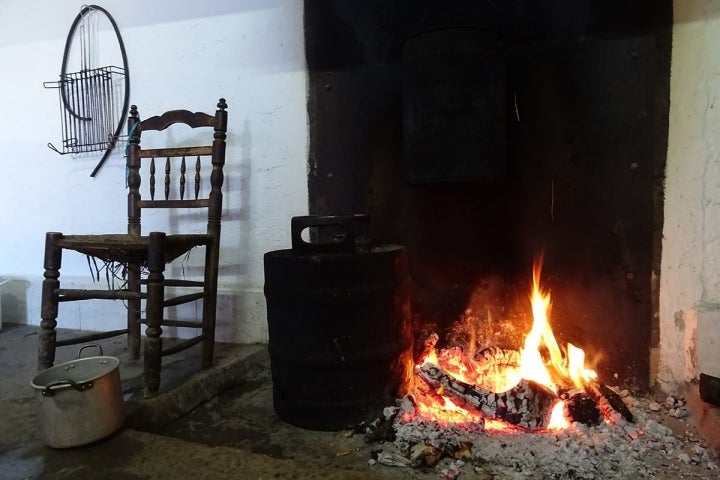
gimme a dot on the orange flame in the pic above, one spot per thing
(561, 368)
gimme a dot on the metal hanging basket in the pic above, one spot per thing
(94, 100)
(88, 109)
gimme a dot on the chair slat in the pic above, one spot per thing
(72, 294)
(199, 203)
(179, 300)
(182, 323)
(172, 282)
(192, 119)
(184, 345)
(176, 152)
(90, 337)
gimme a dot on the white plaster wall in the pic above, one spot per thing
(182, 54)
(690, 270)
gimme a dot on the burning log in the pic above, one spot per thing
(582, 407)
(495, 357)
(497, 368)
(601, 392)
(527, 405)
(427, 346)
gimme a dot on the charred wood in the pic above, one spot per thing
(426, 390)
(492, 357)
(582, 407)
(383, 431)
(603, 395)
(527, 405)
(495, 367)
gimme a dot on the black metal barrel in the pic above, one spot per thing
(339, 326)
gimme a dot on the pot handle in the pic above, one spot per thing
(49, 391)
(90, 345)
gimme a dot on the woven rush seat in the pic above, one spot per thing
(124, 248)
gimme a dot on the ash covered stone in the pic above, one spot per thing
(643, 449)
(409, 433)
(674, 402)
(678, 412)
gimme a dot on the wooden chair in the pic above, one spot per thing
(137, 253)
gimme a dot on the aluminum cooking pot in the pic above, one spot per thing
(80, 401)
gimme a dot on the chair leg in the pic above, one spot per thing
(133, 313)
(208, 345)
(209, 313)
(49, 305)
(154, 313)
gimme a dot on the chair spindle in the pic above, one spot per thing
(167, 178)
(152, 178)
(197, 177)
(182, 178)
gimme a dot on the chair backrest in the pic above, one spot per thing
(202, 164)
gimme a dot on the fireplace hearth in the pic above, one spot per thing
(661, 443)
(533, 412)
(582, 139)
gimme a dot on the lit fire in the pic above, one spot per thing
(561, 367)
(540, 359)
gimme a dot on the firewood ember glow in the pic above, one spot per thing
(528, 405)
(582, 407)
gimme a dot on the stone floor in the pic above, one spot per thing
(155, 443)
(216, 423)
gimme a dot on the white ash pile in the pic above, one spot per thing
(643, 448)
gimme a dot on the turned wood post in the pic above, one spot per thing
(49, 301)
(154, 313)
(133, 201)
(212, 250)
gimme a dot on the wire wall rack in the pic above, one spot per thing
(94, 100)
(89, 108)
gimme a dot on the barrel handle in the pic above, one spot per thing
(49, 391)
(352, 228)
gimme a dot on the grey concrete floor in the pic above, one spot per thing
(215, 423)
